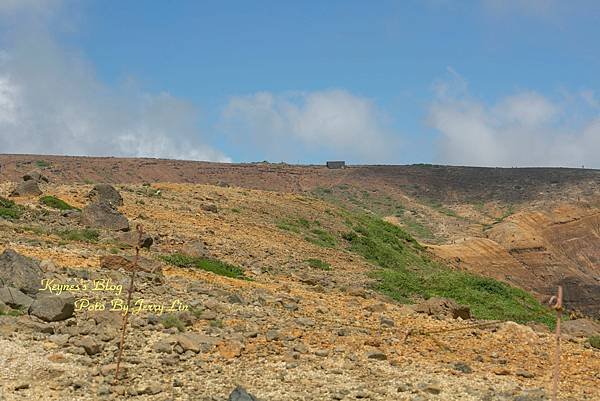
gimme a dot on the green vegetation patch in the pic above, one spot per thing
(9, 209)
(407, 273)
(56, 203)
(318, 264)
(321, 237)
(595, 341)
(42, 164)
(169, 320)
(81, 235)
(211, 265)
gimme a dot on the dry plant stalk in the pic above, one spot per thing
(140, 231)
(558, 300)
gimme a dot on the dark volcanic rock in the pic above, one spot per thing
(20, 272)
(195, 249)
(27, 188)
(443, 307)
(240, 394)
(581, 328)
(53, 308)
(35, 176)
(116, 262)
(132, 238)
(105, 193)
(15, 298)
(104, 215)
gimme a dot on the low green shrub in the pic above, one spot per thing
(407, 272)
(318, 264)
(169, 320)
(9, 209)
(595, 341)
(56, 203)
(208, 264)
(81, 235)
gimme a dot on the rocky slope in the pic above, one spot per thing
(285, 329)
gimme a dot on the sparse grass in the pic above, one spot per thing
(416, 228)
(595, 341)
(9, 209)
(197, 312)
(12, 312)
(169, 320)
(507, 213)
(42, 164)
(321, 237)
(56, 203)
(236, 210)
(318, 264)
(282, 225)
(81, 235)
(38, 230)
(407, 273)
(211, 265)
(216, 323)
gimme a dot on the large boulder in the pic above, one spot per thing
(27, 188)
(20, 272)
(105, 193)
(443, 307)
(195, 342)
(117, 262)
(53, 308)
(35, 176)
(15, 298)
(581, 328)
(132, 238)
(195, 249)
(104, 215)
(240, 394)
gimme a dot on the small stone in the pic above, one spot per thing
(525, 374)
(240, 394)
(463, 367)
(236, 299)
(379, 307)
(103, 390)
(22, 386)
(273, 335)
(230, 349)
(377, 355)
(432, 389)
(162, 347)
(305, 321)
(322, 352)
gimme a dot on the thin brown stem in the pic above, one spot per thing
(129, 296)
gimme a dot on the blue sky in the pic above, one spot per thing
(480, 82)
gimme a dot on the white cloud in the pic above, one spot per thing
(333, 121)
(52, 103)
(525, 129)
(12, 6)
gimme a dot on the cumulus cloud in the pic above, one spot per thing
(523, 129)
(51, 102)
(334, 122)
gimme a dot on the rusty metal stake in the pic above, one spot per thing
(558, 306)
(129, 295)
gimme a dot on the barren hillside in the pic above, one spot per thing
(297, 289)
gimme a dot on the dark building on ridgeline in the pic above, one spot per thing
(336, 164)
